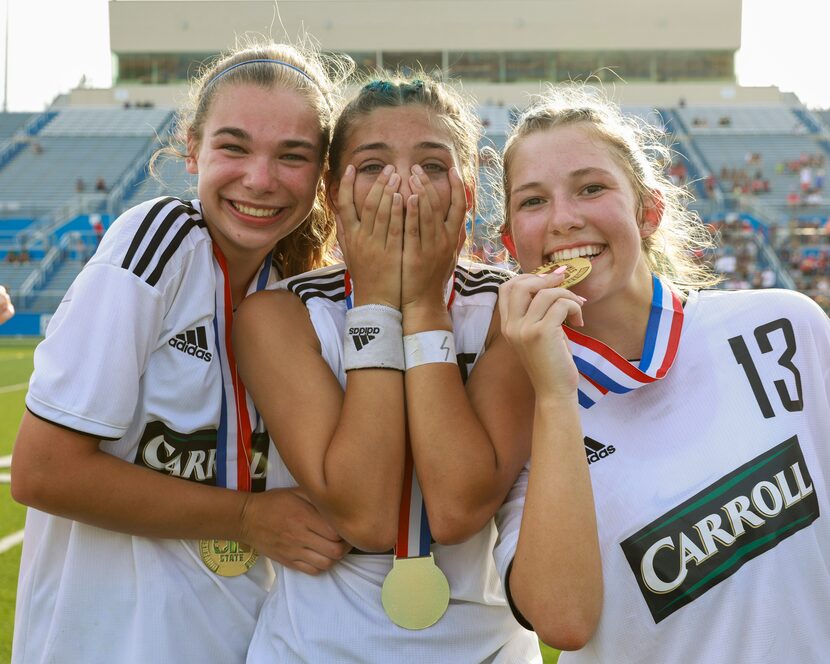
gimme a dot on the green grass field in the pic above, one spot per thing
(15, 368)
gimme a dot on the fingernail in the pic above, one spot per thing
(397, 199)
(349, 169)
(417, 169)
(560, 270)
(388, 169)
(414, 181)
(394, 180)
(582, 299)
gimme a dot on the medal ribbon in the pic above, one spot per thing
(603, 370)
(238, 417)
(414, 535)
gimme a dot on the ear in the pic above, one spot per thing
(652, 214)
(508, 243)
(191, 160)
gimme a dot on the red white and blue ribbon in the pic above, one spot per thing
(603, 370)
(238, 417)
(414, 534)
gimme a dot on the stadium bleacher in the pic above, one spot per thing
(726, 148)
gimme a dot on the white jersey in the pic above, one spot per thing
(130, 357)
(337, 616)
(711, 489)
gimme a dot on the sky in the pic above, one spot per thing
(53, 44)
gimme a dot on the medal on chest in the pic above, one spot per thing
(226, 557)
(415, 593)
(237, 421)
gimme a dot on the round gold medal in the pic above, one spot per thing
(415, 593)
(577, 269)
(226, 557)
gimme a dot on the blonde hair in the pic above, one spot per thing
(272, 65)
(643, 153)
(449, 107)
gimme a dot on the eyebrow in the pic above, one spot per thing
(578, 173)
(243, 135)
(425, 145)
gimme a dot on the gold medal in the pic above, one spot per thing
(415, 593)
(577, 269)
(226, 557)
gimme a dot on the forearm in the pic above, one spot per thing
(470, 441)
(556, 579)
(462, 478)
(75, 480)
(359, 483)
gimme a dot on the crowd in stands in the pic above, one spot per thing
(803, 246)
(805, 250)
(736, 255)
(740, 182)
(20, 257)
(811, 177)
(750, 179)
(700, 122)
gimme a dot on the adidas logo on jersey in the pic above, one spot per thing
(363, 335)
(595, 450)
(193, 342)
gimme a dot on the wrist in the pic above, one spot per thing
(242, 529)
(419, 317)
(373, 338)
(557, 400)
(431, 347)
(364, 299)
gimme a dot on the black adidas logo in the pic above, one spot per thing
(363, 335)
(595, 450)
(193, 342)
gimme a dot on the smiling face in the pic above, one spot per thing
(569, 196)
(259, 164)
(401, 136)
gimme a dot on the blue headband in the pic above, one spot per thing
(250, 62)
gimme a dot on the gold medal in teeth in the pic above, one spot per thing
(577, 269)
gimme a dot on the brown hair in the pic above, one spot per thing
(300, 69)
(449, 107)
(642, 152)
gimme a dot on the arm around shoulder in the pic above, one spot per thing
(64, 472)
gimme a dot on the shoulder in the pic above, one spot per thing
(326, 283)
(760, 307)
(474, 278)
(267, 307)
(771, 300)
(153, 238)
(270, 319)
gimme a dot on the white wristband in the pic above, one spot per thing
(372, 338)
(429, 347)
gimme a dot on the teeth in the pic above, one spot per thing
(256, 212)
(587, 250)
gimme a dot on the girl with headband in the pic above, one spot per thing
(373, 422)
(699, 419)
(149, 534)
